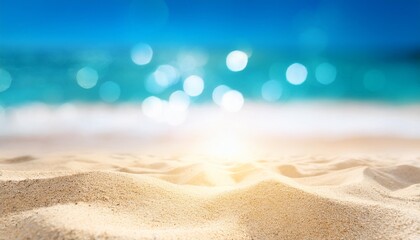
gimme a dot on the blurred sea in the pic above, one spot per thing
(58, 76)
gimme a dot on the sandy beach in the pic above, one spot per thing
(209, 120)
(323, 183)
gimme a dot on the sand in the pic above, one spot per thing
(306, 188)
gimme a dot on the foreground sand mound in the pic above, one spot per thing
(108, 205)
(281, 171)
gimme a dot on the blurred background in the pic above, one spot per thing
(172, 54)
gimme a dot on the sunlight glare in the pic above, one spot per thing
(227, 146)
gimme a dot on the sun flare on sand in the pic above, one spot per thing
(207, 119)
(217, 180)
(226, 147)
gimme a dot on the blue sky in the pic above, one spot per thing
(373, 24)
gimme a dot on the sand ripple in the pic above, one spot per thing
(339, 199)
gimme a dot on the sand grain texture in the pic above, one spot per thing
(129, 196)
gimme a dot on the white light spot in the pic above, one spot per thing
(109, 91)
(161, 79)
(152, 85)
(179, 101)
(191, 62)
(218, 93)
(87, 77)
(152, 107)
(193, 85)
(232, 101)
(142, 54)
(166, 75)
(296, 74)
(325, 73)
(271, 91)
(5, 80)
(236, 61)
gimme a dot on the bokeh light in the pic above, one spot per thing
(109, 91)
(142, 54)
(152, 86)
(218, 93)
(271, 90)
(193, 85)
(296, 74)
(87, 77)
(153, 48)
(232, 101)
(179, 101)
(236, 61)
(152, 107)
(191, 62)
(325, 73)
(166, 75)
(5, 80)
(172, 112)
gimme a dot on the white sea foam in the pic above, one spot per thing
(331, 120)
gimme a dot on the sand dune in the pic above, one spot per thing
(339, 198)
(348, 171)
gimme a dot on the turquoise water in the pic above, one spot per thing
(111, 75)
